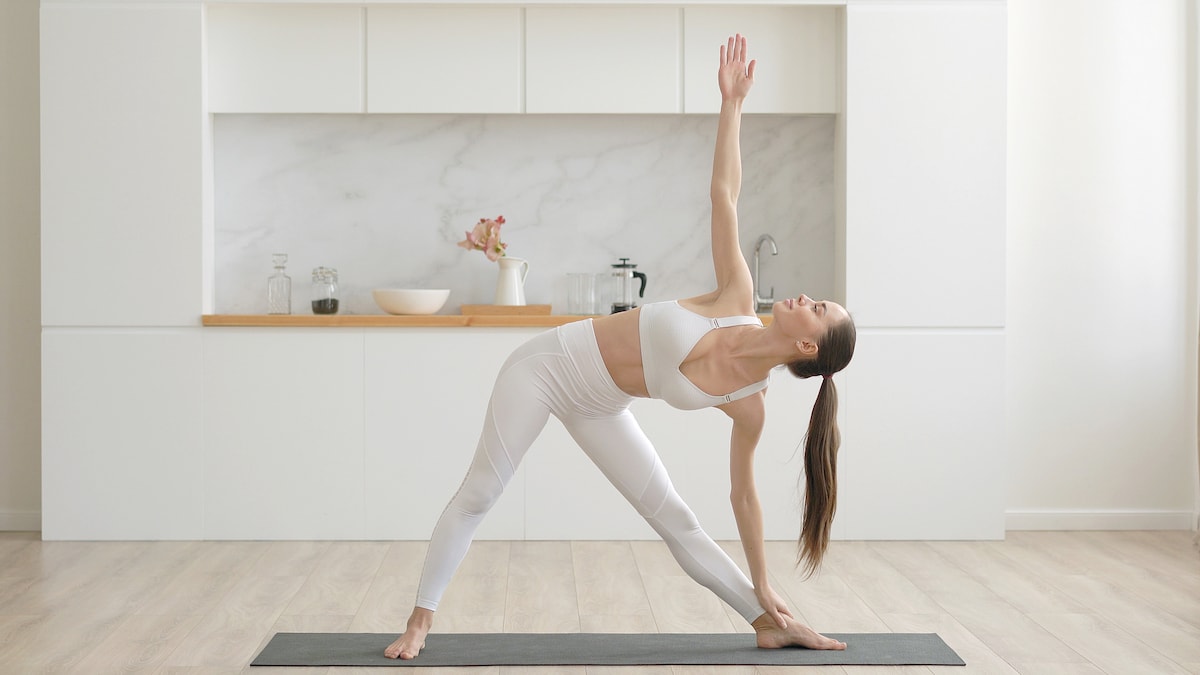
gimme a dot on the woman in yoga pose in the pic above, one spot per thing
(587, 372)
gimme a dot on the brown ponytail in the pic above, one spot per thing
(821, 444)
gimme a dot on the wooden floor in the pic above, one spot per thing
(1126, 603)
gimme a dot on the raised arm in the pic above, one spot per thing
(735, 78)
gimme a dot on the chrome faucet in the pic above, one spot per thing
(763, 304)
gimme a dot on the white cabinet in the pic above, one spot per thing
(925, 163)
(283, 434)
(121, 160)
(121, 434)
(602, 60)
(443, 59)
(426, 394)
(796, 49)
(285, 58)
(923, 446)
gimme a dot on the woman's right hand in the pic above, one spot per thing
(773, 605)
(735, 76)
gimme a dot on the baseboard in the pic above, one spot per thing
(20, 521)
(1097, 519)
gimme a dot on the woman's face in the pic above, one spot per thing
(806, 319)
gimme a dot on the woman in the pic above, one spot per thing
(586, 373)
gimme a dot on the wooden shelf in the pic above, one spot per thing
(388, 320)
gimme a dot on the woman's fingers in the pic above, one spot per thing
(750, 70)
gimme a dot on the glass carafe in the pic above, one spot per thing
(279, 287)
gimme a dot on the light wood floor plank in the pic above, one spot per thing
(290, 558)
(1057, 669)
(824, 601)
(387, 605)
(340, 580)
(230, 634)
(1056, 557)
(714, 670)
(808, 670)
(1005, 630)
(607, 581)
(1104, 643)
(873, 577)
(1170, 553)
(680, 605)
(541, 595)
(215, 568)
(627, 670)
(141, 643)
(984, 563)
(406, 558)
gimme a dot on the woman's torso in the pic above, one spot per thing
(709, 365)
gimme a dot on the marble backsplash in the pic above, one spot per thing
(385, 198)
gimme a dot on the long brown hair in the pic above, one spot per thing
(821, 443)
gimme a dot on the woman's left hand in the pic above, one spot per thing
(773, 605)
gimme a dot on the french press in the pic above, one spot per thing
(623, 275)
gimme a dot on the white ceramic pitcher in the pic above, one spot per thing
(510, 287)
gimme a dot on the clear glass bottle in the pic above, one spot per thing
(279, 287)
(324, 291)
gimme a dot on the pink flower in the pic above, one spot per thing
(486, 237)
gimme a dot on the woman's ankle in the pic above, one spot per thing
(764, 622)
(420, 618)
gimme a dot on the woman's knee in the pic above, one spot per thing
(477, 496)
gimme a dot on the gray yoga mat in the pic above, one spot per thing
(596, 649)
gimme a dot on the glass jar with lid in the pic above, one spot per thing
(324, 291)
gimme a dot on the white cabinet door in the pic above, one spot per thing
(283, 434)
(121, 436)
(925, 163)
(426, 394)
(443, 59)
(285, 59)
(122, 151)
(922, 453)
(796, 49)
(602, 60)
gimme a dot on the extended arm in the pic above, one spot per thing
(748, 417)
(735, 78)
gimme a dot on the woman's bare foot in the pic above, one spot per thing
(407, 646)
(771, 636)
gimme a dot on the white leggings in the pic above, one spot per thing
(561, 372)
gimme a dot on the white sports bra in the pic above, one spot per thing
(668, 333)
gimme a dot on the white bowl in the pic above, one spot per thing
(410, 300)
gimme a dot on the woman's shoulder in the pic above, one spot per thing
(716, 305)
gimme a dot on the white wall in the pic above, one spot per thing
(1101, 294)
(20, 322)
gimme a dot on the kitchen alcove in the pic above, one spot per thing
(385, 198)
